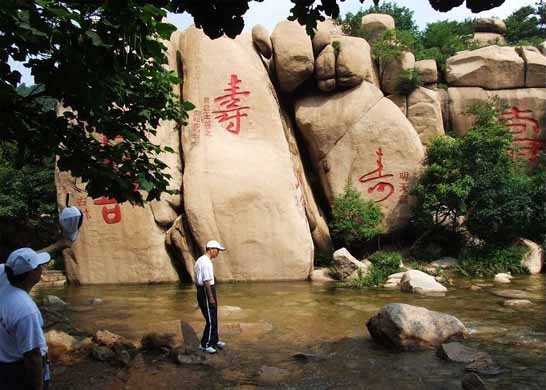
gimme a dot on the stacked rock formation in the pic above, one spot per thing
(489, 31)
(264, 105)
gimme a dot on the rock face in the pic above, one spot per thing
(390, 74)
(425, 114)
(240, 184)
(488, 38)
(354, 63)
(260, 37)
(358, 136)
(526, 115)
(118, 243)
(428, 70)
(534, 259)
(490, 25)
(374, 25)
(535, 75)
(458, 353)
(415, 281)
(325, 69)
(293, 55)
(347, 267)
(408, 327)
(491, 67)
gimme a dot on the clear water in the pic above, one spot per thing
(266, 323)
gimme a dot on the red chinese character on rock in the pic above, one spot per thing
(526, 132)
(110, 215)
(231, 110)
(377, 174)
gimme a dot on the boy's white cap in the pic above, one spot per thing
(25, 259)
(214, 245)
(70, 222)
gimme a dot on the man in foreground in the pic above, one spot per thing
(206, 296)
(23, 349)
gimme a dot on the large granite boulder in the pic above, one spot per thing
(240, 183)
(525, 116)
(293, 55)
(358, 136)
(490, 25)
(542, 48)
(117, 243)
(354, 63)
(428, 70)
(408, 327)
(347, 267)
(325, 69)
(533, 260)
(390, 72)
(535, 70)
(260, 37)
(418, 282)
(425, 114)
(488, 38)
(491, 67)
(374, 25)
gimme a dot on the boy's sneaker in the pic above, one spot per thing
(208, 349)
(220, 345)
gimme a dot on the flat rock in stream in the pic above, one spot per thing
(458, 353)
(512, 294)
(272, 375)
(484, 365)
(517, 302)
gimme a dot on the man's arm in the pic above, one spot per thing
(209, 292)
(34, 369)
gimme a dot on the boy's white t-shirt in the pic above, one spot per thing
(204, 271)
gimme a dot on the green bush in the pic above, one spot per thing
(354, 219)
(476, 178)
(488, 261)
(408, 81)
(384, 263)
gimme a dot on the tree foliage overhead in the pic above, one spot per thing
(105, 61)
(527, 24)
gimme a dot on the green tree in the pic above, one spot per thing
(390, 46)
(476, 178)
(526, 25)
(443, 39)
(354, 220)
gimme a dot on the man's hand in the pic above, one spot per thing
(212, 301)
(34, 376)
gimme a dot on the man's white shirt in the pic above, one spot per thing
(204, 271)
(21, 323)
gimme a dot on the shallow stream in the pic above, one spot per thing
(265, 324)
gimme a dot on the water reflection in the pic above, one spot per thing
(266, 323)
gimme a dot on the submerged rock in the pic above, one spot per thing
(155, 341)
(408, 327)
(458, 353)
(517, 302)
(472, 381)
(512, 294)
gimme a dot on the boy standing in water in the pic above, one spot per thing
(206, 296)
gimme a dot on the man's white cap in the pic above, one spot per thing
(215, 245)
(70, 222)
(25, 260)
